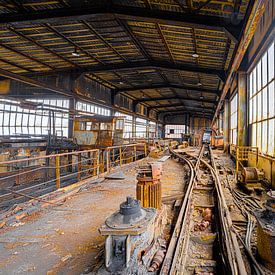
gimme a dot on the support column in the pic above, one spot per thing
(163, 131)
(113, 99)
(226, 124)
(242, 110)
(187, 122)
(134, 127)
(147, 129)
(72, 106)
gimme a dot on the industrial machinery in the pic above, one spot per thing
(98, 131)
(217, 142)
(129, 231)
(206, 138)
(266, 232)
(251, 177)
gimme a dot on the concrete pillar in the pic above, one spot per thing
(242, 110)
(226, 124)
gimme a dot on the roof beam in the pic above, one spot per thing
(181, 105)
(200, 114)
(156, 64)
(103, 40)
(58, 33)
(142, 100)
(34, 83)
(12, 29)
(142, 65)
(195, 114)
(26, 56)
(167, 86)
(15, 65)
(184, 110)
(86, 12)
(133, 37)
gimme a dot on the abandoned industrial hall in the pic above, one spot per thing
(137, 137)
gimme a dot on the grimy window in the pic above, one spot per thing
(128, 122)
(174, 131)
(233, 119)
(141, 126)
(262, 104)
(33, 119)
(88, 108)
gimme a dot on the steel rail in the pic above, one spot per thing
(177, 233)
(227, 223)
(247, 203)
(231, 245)
(232, 249)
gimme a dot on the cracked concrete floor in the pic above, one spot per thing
(65, 239)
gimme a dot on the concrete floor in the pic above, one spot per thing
(65, 239)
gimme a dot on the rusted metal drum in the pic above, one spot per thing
(252, 174)
(148, 192)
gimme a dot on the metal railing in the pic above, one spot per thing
(34, 176)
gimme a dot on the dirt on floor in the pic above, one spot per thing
(65, 239)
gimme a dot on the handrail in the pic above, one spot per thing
(59, 170)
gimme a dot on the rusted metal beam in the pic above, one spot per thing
(144, 64)
(15, 65)
(18, 5)
(142, 100)
(182, 4)
(254, 17)
(186, 110)
(103, 40)
(26, 56)
(180, 105)
(165, 42)
(226, 51)
(153, 64)
(202, 115)
(167, 86)
(58, 33)
(148, 4)
(90, 11)
(133, 37)
(34, 83)
(12, 29)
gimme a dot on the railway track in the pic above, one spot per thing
(202, 241)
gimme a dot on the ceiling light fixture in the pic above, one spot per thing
(195, 55)
(201, 97)
(75, 52)
(199, 84)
